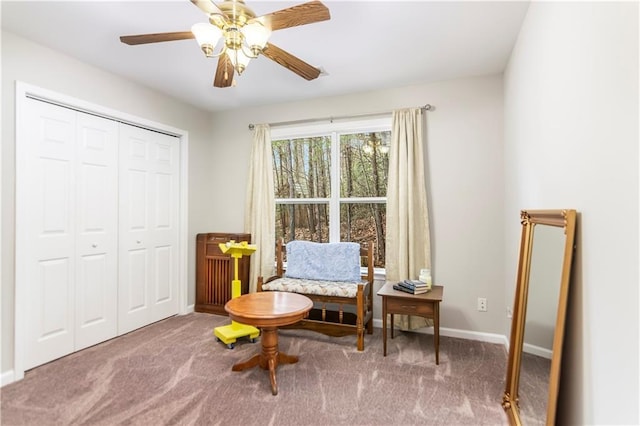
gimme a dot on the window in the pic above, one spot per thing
(331, 182)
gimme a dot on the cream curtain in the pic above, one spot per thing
(408, 244)
(260, 206)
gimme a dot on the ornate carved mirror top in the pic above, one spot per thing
(539, 312)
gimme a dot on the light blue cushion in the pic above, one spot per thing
(323, 261)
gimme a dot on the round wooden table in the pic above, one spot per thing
(268, 311)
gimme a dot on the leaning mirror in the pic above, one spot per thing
(539, 312)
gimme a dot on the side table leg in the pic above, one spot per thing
(269, 353)
(384, 326)
(287, 359)
(392, 326)
(436, 330)
(250, 363)
(272, 376)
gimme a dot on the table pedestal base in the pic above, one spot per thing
(268, 358)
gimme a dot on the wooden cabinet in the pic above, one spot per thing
(215, 271)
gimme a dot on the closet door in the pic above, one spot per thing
(148, 261)
(49, 229)
(68, 259)
(96, 230)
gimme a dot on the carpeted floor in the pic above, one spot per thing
(174, 373)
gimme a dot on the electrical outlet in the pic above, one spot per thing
(509, 313)
(482, 304)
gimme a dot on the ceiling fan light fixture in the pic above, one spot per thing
(235, 35)
(207, 37)
(256, 36)
(238, 59)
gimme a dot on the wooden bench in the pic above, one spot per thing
(340, 307)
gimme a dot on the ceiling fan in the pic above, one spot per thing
(242, 36)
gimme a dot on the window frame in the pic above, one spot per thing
(333, 130)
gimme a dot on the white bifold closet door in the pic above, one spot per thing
(149, 165)
(71, 226)
(99, 237)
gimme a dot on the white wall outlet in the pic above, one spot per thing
(482, 304)
(509, 313)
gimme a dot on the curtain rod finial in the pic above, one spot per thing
(251, 127)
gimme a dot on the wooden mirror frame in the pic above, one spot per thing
(530, 218)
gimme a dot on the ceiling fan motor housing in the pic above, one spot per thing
(237, 12)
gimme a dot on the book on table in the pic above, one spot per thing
(402, 288)
(410, 287)
(414, 285)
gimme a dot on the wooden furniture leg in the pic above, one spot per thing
(245, 365)
(269, 358)
(384, 327)
(436, 330)
(392, 326)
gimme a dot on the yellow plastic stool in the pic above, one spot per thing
(228, 334)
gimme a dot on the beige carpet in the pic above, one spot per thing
(174, 373)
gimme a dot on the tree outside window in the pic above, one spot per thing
(335, 176)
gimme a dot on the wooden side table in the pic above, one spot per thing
(425, 305)
(268, 311)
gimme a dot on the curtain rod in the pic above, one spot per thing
(426, 107)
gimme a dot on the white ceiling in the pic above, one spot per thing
(366, 45)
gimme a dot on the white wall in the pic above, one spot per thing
(464, 148)
(571, 141)
(43, 67)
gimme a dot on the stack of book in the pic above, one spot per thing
(412, 286)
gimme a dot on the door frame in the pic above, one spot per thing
(24, 91)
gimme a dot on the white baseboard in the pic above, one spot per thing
(7, 378)
(190, 309)
(461, 334)
(537, 350)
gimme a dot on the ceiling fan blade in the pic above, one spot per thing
(302, 14)
(224, 72)
(290, 62)
(207, 6)
(156, 38)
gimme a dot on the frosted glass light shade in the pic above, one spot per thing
(238, 59)
(207, 36)
(256, 35)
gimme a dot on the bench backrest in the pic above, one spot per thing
(366, 259)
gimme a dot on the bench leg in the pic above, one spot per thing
(360, 318)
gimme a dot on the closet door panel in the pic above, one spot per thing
(97, 230)
(148, 227)
(134, 273)
(164, 265)
(46, 254)
(136, 293)
(164, 220)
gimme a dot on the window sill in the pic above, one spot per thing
(379, 274)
